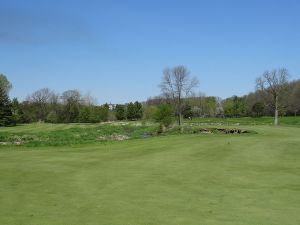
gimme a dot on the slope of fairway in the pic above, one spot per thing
(284, 121)
(177, 179)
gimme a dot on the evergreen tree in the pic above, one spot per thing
(187, 111)
(85, 114)
(258, 109)
(164, 115)
(17, 111)
(120, 112)
(6, 116)
(134, 111)
(138, 110)
(130, 114)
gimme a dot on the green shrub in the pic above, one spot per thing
(164, 115)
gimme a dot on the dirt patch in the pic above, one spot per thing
(118, 137)
(5, 143)
(11, 143)
(113, 137)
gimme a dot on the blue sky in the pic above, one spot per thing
(116, 50)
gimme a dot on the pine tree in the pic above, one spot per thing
(17, 111)
(138, 110)
(6, 116)
(120, 112)
(130, 113)
(134, 111)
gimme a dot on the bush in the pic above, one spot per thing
(149, 112)
(164, 115)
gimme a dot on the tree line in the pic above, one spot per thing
(274, 95)
(71, 106)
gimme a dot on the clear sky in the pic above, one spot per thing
(116, 50)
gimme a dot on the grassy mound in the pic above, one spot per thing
(73, 135)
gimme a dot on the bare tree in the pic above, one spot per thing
(71, 100)
(42, 99)
(71, 96)
(88, 100)
(41, 96)
(273, 83)
(176, 85)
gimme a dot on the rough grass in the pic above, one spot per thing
(62, 134)
(37, 135)
(176, 179)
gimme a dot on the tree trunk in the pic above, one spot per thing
(276, 111)
(180, 122)
(179, 119)
(179, 111)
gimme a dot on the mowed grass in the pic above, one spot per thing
(284, 121)
(209, 179)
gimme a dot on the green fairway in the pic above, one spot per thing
(209, 179)
(285, 121)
